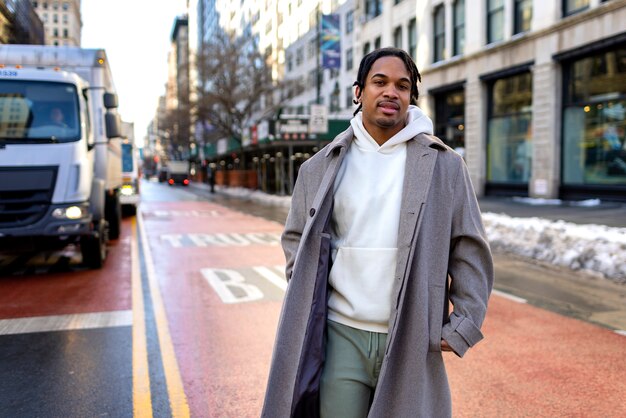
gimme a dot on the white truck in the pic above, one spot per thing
(60, 150)
(129, 193)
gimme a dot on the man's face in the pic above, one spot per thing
(386, 97)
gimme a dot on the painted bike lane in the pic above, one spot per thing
(220, 274)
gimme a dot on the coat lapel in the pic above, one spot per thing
(342, 143)
(420, 163)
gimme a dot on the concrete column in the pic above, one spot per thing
(475, 26)
(546, 143)
(475, 130)
(449, 22)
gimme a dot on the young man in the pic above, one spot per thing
(384, 230)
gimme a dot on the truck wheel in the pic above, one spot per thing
(113, 214)
(94, 247)
(130, 210)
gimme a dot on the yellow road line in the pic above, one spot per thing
(175, 389)
(142, 399)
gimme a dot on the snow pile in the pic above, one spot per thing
(596, 248)
(256, 196)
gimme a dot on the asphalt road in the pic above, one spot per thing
(181, 321)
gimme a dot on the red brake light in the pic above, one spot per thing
(171, 181)
(185, 182)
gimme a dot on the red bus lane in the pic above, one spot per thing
(220, 276)
(535, 363)
(77, 291)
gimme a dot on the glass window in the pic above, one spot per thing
(450, 119)
(439, 33)
(66, 5)
(289, 62)
(312, 82)
(574, 6)
(377, 42)
(366, 48)
(312, 49)
(495, 20)
(64, 18)
(349, 97)
(509, 146)
(523, 15)
(373, 8)
(34, 111)
(349, 59)
(413, 39)
(299, 56)
(55, 18)
(459, 27)
(397, 37)
(350, 21)
(594, 120)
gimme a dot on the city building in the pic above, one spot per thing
(19, 23)
(175, 123)
(531, 93)
(62, 21)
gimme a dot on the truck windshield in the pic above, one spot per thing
(35, 111)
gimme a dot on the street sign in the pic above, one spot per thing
(318, 123)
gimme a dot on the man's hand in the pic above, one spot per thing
(445, 346)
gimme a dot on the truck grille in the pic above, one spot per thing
(25, 195)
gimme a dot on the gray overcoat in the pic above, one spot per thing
(443, 255)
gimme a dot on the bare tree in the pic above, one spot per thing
(233, 77)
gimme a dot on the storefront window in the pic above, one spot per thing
(509, 153)
(594, 120)
(450, 119)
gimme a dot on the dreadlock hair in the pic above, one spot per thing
(366, 65)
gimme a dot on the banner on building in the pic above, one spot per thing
(330, 44)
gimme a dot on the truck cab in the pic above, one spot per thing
(59, 177)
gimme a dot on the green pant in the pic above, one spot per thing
(353, 361)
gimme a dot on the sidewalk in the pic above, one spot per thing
(586, 235)
(612, 214)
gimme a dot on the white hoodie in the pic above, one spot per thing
(364, 227)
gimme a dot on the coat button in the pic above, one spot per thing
(312, 212)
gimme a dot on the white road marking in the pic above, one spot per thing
(621, 332)
(225, 282)
(221, 240)
(271, 274)
(508, 296)
(66, 322)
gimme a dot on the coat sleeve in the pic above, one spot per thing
(470, 268)
(296, 219)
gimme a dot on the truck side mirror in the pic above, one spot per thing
(113, 125)
(110, 100)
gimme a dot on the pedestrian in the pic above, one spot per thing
(211, 176)
(384, 230)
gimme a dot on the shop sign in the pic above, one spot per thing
(318, 124)
(254, 134)
(222, 146)
(294, 129)
(263, 130)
